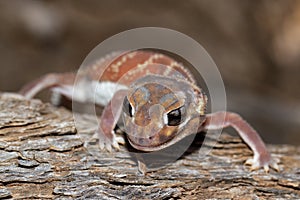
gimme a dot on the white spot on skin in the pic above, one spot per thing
(143, 66)
(157, 56)
(115, 67)
(108, 57)
(132, 54)
(167, 71)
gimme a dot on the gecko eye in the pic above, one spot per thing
(175, 117)
(127, 108)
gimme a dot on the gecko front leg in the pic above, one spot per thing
(262, 157)
(108, 120)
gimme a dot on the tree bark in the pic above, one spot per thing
(42, 156)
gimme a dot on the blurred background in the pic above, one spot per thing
(255, 44)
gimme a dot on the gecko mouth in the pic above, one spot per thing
(150, 144)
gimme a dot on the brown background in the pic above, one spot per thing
(255, 44)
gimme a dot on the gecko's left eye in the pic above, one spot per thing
(127, 107)
(175, 117)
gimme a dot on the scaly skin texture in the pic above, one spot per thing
(156, 97)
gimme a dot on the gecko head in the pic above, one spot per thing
(159, 111)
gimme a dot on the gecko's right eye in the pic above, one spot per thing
(127, 108)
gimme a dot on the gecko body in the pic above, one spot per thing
(157, 98)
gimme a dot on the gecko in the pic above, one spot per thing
(158, 99)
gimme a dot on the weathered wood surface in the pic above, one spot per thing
(42, 156)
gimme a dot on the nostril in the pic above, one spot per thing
(141, 140)
(145, 141)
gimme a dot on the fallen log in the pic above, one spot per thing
(42, 156)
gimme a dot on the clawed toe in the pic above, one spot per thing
(115, 144)
(257, 164)
(106, 143)
(274, 164)
(266, 168)
(249, 161)
(120, 140)
(108, 147)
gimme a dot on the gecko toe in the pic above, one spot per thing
(266, 168)
(257, 163)
(105, 143)
(274, 164)
(101, 145)
(254, 167)
(276, 167)
(253, 164)
(249, 161)
(115, 145)
(120, 140)
(108, 147)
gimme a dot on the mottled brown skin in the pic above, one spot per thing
(160, 104)
(152, 101)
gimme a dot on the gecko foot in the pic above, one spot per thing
(261, 162)
(106, 143)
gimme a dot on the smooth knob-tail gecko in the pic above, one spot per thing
(158, 99)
